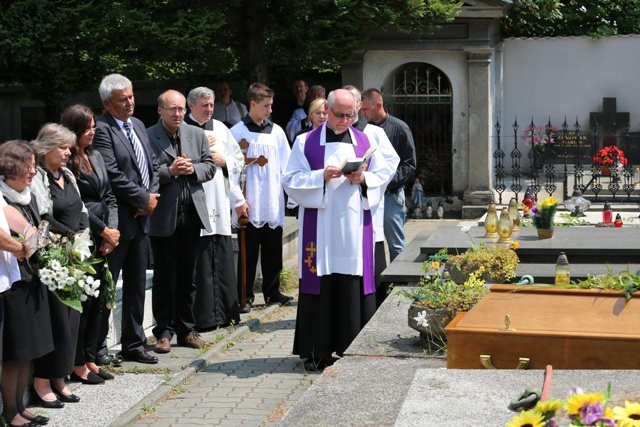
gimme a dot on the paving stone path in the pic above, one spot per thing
(253, 382)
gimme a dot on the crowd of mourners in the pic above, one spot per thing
(171, 196)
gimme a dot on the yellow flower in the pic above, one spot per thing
(527, 419)
(629, 416)
(549, 407)
(578, 401)
(515, 244)
(549, 202)
(435, 265)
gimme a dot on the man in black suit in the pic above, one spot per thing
(133, 172)
(185, 163)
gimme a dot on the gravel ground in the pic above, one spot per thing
(101, 404)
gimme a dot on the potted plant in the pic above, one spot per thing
(539, 137)
(609, 157)
(498, 264)
(543, 215)
(438, 299)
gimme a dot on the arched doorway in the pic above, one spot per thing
(421, 96)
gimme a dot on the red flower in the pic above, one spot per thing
(610, 156)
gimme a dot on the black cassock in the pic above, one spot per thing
(216, 303)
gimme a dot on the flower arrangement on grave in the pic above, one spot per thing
(581, 409)
(437, 292)
(65, 266)
(539, 137)
(610, 156)
(544, 213)
(498, 263)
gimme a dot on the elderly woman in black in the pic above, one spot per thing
(59, 203)
(90, 172)
(27, 333)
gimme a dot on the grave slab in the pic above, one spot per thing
(480, 398)
(581, 244)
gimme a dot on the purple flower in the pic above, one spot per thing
(594, 413)
(535, 211)
(575, 390)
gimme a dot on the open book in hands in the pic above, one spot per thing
(353, 164)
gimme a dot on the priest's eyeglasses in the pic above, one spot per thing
(173, 110)
(342, 115)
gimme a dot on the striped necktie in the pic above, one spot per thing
(140, 158)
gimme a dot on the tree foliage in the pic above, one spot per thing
(58, 47)
(51, 47)
(554, 18)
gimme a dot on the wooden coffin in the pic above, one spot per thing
(565, 328)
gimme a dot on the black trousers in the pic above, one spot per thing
(174, 290)
(90, 323)
(265, 242)
(132, 257)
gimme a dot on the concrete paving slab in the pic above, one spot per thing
(388, 333)
(358, 391)
(478, 398)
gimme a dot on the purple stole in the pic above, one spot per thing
(314, 152)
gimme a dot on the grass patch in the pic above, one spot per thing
(289, 279)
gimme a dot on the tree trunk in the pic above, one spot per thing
(254, 25)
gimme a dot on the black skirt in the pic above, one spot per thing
(27, 322)
(64, 325)
(216, 303)
(329, 322)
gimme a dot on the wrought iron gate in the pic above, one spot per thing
(422, 97)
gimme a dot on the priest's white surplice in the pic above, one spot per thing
(220, 189)
(340, 204)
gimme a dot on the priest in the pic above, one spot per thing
(336, 249)
(216, 304)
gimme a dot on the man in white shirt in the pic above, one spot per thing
(226, 109)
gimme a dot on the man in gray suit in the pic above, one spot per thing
(184, 160)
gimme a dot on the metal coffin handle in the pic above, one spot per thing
(485, 359)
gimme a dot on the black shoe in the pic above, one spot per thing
(104, 374)
(281, 299)
(53, 404)
(92, 378)
(107, 359)
(49, 404)
(138, 356)
(247, 308)
(29, 424)
(318, 365)
(67, 398)
(38, 419)
(314, 365)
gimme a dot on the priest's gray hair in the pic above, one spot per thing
(198, 93)
(51, 136)
(332, 97)
(112, 82)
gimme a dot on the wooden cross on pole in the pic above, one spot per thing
(243, 221)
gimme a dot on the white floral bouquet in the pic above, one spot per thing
(66, 268)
